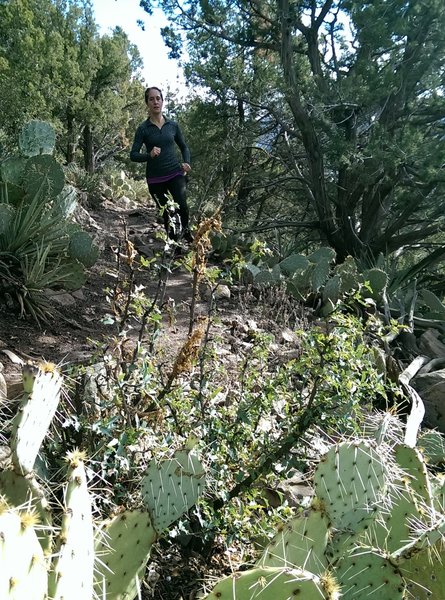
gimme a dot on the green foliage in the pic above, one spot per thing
(85, 84)
(315, 141)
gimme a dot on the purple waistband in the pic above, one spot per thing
(164, 178)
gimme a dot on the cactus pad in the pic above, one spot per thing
(37, 137)
(31, 423)
(332, 289)
(43, 174)
(81, 248)
(349, 480)
(122, 548)
(25, 492)
(72, 577)
(378, 280)
(320, 274)
(171, 487)
(410, 460)
(365, 575)
(11, 170)
(66, 202)
(271, 584)
(424, 575)
(23, 572)
(392, 529)
(293, 263)
(301, 543)
(432, 445)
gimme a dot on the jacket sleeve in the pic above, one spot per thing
(179, 139)
(135, 153)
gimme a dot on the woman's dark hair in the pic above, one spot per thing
(147, 92)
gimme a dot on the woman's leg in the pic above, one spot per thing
(178, 187)
(158, 191)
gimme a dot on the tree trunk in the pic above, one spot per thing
(88, 149)
(71, 138)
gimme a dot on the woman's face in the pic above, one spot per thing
(154, 101)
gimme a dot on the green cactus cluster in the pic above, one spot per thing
(375, 526)
(41, 247)
(317, 274)
(55, 549)
(119, 186)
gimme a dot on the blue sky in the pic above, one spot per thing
(158, 69)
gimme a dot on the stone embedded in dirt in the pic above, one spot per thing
(431, 388)
(287, 335)
(63, 299)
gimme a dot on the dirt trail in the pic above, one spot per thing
(71, 336)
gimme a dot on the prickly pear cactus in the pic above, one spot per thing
(432, 445)
(36, 411)
(11, 170)
(122, 549)
(349, 481)
(23, 572)
(275, 584)
(424, 574)
(81, 248)
(43, 176)
(18, 490)
(293, 264)
(171, 487)
(365, 574)
(37, 137)
(72, 575)
(411, 461)
(302, 542)
(378, 280)
(66, 202)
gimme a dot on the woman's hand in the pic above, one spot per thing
(155, 151)
(186, 167)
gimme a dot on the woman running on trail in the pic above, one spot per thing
(165, 173)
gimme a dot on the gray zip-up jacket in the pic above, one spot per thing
(165, 138)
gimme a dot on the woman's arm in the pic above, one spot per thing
(180, 141)
(135, 153)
